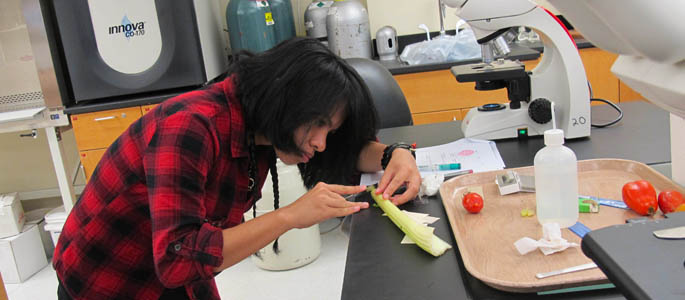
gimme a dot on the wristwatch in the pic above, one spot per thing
(387, 152)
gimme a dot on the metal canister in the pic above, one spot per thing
(315, 19)
(347, 25)
(250, 25)
(386, 43)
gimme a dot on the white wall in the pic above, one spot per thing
(403, 15)
(25, 163)
(406, 15)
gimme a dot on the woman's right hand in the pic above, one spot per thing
(323, 202)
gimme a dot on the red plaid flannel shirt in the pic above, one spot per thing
(151, 215)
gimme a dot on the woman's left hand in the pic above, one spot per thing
(401, 170)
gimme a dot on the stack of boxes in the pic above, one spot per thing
(21, 249)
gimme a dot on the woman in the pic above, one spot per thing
(163, 211)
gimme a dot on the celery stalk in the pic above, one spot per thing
(421, 234)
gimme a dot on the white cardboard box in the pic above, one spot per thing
(37, 216)
(11, 215)
(22, 255)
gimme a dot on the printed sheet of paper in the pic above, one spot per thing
(472, 154)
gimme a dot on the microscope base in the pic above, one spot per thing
(501, 124)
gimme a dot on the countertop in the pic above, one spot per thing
(518, 52)
(379, 268)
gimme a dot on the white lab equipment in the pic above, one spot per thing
(296, 247)
(647, 35)
(559, 77)
(386, 43)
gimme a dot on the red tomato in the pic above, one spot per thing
(472, 202)
(670, 200)
(640, 196)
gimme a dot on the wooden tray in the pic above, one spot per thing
(486, 240)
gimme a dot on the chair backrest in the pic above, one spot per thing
(391, 105)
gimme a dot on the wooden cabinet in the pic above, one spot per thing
(3, 293)
(95, 131)
(147, 108)
(597, 63)
(99, 129)
(436, 96)
(90, 159)
(440, 116)
(625, 93)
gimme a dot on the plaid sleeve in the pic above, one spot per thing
(177, 162)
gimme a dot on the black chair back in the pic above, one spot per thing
(391, 105)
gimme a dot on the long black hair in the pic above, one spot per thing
(298, 83)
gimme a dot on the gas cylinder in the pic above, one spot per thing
(283, 16)
(315, 18)
(347, 26)
(250, 25)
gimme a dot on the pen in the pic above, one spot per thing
(457, 173)
(440, 167)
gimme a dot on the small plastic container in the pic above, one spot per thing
(556, 181)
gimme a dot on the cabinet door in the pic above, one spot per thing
(439, 116)
(147, 108)
(3, 293)
(597, 63)
(438, 91)
(90, 159)
(98, 130)
(625, 93)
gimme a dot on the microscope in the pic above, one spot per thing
(647, 35)
(559, 78)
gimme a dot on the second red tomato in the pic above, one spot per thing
(472, 202)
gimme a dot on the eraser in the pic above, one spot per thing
(579, 229)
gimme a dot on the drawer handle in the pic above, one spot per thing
(104, 118)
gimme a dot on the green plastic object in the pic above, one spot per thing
(586, 205)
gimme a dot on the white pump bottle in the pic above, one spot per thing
(556, 180)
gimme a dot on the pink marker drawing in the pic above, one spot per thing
(466, 152)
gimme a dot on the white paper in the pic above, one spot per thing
(420, 218)
(551, 241)
(472, 154)
(430, 184)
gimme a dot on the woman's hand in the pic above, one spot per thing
(401, 170)
(323, 202)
